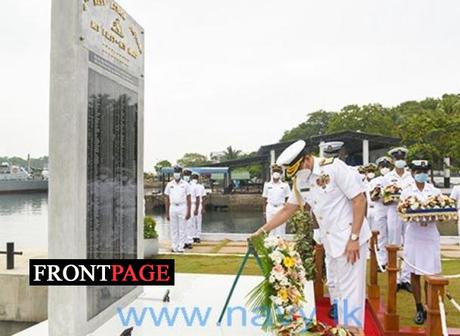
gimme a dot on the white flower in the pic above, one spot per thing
(271, 242)
(276, 300)
(276, 256)
(284, 282)
(271, 279)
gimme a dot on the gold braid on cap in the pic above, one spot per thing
(293, 168)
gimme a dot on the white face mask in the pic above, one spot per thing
(400, 164)
(276, 175)
(384, 170)
(303, 174)
(186, 178)
(370, 175)
(176, 176)
(194, 181)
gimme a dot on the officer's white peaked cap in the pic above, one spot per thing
(398, 150)
(382, 159)
(331, 146)
(291, 157)
(290, 154)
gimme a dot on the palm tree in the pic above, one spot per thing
(231, 154)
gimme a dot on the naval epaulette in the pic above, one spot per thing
(326, 161)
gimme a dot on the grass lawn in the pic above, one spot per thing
(406, 307)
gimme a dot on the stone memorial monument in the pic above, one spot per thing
(96, 153)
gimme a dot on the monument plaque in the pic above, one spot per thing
(96, 146)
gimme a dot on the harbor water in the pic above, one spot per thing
(24, 220)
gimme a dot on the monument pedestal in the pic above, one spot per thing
(96, 153)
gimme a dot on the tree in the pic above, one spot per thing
(429, 128)
(193, 160)
(231, 154)
(316, 124)
(161, 164)
(372, 118)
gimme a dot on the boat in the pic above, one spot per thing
(18, 179)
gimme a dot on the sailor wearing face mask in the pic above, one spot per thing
(331, 190)
(177, 206)
(422, 240)
(275, 193)
(198, 194)
(369, 174)
(396, 228)
(189, 231)
(379, 222)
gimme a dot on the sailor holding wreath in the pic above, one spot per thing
(331, 190)
(422, 246)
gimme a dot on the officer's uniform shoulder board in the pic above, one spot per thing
(326, 161)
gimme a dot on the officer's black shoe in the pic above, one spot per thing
(188, 246)
(420, 317)
(333, 312)
(406, 286)
(383, 269)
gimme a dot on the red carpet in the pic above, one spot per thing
(370, 325)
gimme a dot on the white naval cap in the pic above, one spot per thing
(195, 173)
(398, 151)
(292, 156)
(331, 147)
(420, 165)
(383, 159)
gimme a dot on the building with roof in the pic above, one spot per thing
(359, 148)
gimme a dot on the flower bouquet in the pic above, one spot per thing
(391, 194)
(280, 297)
(436, 208)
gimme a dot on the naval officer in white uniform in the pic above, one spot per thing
(177, 206)
(380, 211)
(275, 193)
(331, 149)
(198, 194)
(422, 246)
(339, 204)
(396, 227)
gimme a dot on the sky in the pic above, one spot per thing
(239, 72)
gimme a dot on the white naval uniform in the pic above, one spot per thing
(198, 219)
(455, 194)
(379, 221)
(422, 246)
(331, 203)
(275, 194)
(177, 192)
(396, 226)
(190, 223)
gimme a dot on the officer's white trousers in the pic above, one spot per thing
(380, 222)
(270, 212)
(197, 221)
(330, 280)
(177, 215)
(190, 229)
(329, 271)
(396, 231)
(350, 287)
